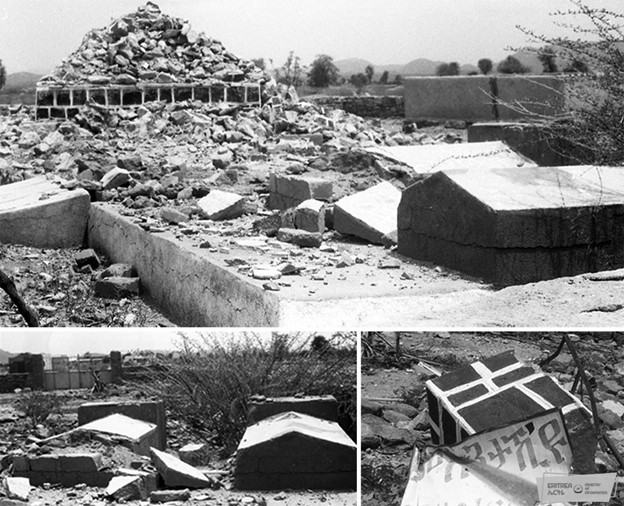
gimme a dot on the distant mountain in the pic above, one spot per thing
(352, 66)
(19, 81)
(417, 67)
(5, 355)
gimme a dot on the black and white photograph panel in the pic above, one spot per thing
(351, 163)
(450, 418)
(135, 416)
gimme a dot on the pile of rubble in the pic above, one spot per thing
(149, 46)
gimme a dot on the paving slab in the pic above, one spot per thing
(296, 451)
(431, 158)
(39, 213)
(516, 226)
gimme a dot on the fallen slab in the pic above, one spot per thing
(178, 474)
(431, 158)
(516, 226)
(138, 435)
(126, 488)
(297, 451)
(39, 213)
(370, 214)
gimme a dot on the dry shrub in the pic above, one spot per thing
(37, 405)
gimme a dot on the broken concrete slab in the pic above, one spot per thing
(297, 451)
(220, 205)
(126, 488)
(149, 411)
(115, 287)
(431, 158)
(289, 191)
(310, 216)
(176, 473)
(39, 213)
(370, 214)
(318, 406)
(513, 226)
(17, 488)
(137, 434)
(500, 391)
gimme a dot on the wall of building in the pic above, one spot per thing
(365, 106)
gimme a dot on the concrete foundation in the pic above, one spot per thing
(325, 407)
(516, 226)
(500, 391)
(482, 98)
(149, 411)
(295, 451)
(41, 214)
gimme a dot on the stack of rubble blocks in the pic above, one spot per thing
(500, 391)
(295, 443)
(122, 448)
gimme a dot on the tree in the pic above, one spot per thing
(323, 72)
(511, 65)
(359, 81)
(384, 77)
(485, 65)
(398, 79)
(547, 56)
(370, 72)
(448, 69)
(291, 72)
(576, 65)
(2, 75)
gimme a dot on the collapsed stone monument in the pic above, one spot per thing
(513, 226)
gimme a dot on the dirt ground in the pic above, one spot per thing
(386, 379)
(16, 431)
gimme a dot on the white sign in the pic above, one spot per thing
(498, 467)
(576, 487)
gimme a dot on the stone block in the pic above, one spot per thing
(45, 463)
(161, 496)
(324, 407)
(289, 191)
(117, 287)
(148, 411)
(220, 205)
(300, 237)
(126, 488)
(40, 214)
(114, 178)
(500, 391)
(119, 271)
(83, 462)
(370, 214)
(171, 215)
(176, 473)
(296, 451)
(513, 226)
(87, 257)
(17, 488)
(194, 454)
(310, 216)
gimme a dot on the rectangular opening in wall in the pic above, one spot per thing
(151, 95)
(236, 94)
(202, 93)
(98, 96)
(114, 97)
(45, 97)
(79, 97)
(253, 94)
(57, 112)
(217, 93)
(63, 97)
(42, 113)
(166, 94)
(132, 97)
(182, 94)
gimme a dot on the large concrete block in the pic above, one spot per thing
(470, 98)
(432, 158)
(220, 205)
(138, 435)
(323, 406)
(295, 451)
(369, 214)
(148, 411)
(516, 226)
(176, 473)
(38, 213)
(290, 191)
(500, 391)
(536, 141)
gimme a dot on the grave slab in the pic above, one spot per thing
(41, 214)
(296, 451)
(319, 406)
(516, 226)
(176, 473)
(140, 435)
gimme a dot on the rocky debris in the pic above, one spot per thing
(370, 214)
(310, 216)
(17, 488)
(126, 488)
(176, 473)
(119, 271)
(194, 454)
(114, 178)
(300, 237)
(116, 287)
(289, 191)
(161, 496)
(149, 46)
(171, 215)
(220, 205)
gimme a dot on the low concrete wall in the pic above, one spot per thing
(365, 106)
(482, 98)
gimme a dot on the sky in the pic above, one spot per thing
(35, 35)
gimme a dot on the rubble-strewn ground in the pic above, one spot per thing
(398, 385)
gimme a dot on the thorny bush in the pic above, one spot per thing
(210, 380)
(37, 405)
